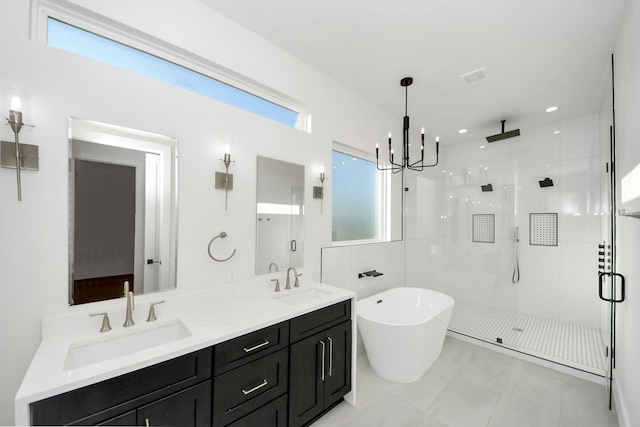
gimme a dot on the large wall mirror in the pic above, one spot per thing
(123, 206)
(280, 215)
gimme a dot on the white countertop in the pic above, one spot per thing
(212, 316)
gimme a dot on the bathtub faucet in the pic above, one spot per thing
(371, 273)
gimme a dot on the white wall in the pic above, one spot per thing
(33, 242)
(627, 91)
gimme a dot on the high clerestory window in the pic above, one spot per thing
(88, 44)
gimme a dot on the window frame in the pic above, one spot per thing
(42, 10)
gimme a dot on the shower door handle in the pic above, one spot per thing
(601, 276)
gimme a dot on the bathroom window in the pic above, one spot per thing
(358, 204)
(74, 39)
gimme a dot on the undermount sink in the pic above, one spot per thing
(301, 296)
(108, 347)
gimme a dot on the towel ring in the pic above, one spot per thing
(223, 235)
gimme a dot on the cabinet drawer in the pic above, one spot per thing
(245, 389)
(319, 320)
(239, 351)
(273, 414)
(99, 402)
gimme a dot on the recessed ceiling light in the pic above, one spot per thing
(462, 131)
(551, 109)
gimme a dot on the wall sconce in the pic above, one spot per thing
(224, 180)
(318, 192)
(13, 154)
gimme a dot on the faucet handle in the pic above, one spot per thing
(152, 311)
(106, 326)
(297, 284)
(277, 284)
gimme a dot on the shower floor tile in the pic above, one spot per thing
(560, 342)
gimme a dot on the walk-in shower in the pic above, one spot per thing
(521, 260)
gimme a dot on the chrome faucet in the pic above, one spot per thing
(128, 321)
(296, 275)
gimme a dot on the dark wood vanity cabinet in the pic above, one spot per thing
(320, 363)
(284, 375)
(181, 384)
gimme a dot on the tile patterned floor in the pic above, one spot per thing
(560, 342)
(471, 386)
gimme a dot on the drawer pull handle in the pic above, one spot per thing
(259, 386)
(262, 344)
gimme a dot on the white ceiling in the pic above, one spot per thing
(537, 53)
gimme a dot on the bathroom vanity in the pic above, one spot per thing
(286, 366)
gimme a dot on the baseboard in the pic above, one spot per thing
(621, 405)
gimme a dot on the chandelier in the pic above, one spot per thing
(406, 162)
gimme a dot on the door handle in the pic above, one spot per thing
(330, 355)
(601, 276)
(152, 261)
(322, 345)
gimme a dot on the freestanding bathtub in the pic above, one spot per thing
(403, 331)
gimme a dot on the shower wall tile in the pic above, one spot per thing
(497, 202)
(490, 269)
(530, 197)
(538, 289)
(579, 301)
(536, 145)
(580, 200)
(341, 265)
(456, 158)
(488, 155)
(455, 275)
(580, 137)
(425, 263)
(422, 212)
(457, 220)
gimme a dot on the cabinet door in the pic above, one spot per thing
(338, 366)
(128, 419)
(187, 408)
(305, 385)
(273, 414)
